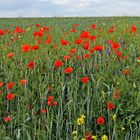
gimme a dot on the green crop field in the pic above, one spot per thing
(70, 78)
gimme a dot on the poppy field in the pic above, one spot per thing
(70, 78)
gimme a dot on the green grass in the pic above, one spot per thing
(73, 97)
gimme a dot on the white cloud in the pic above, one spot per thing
(21, 12)
(61, 2)
(36, 8)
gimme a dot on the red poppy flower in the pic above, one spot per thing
(89, 137)
(43, 111)
(109, 41)
(133, 29)
(111, 29)
(73, 51)
(49, 103)
(18, 30)
(86, 56)
(85, 34)
(1, 84)
(25, 48)
(10, 55)
(55, 103)
(68, 70)
(76, 25)
(93, 26)
(45, 29)
(23, 81)
(1, 32)
(115, 45)
(58, 63)
(100, 120)
(31, 65)
(50, 98)
(110, 106)
(10, 96)
(38, 33)
(85, 79)
(99, 48)
(118, 53)
(10, 85)
(37, 24)
(78, 57)
(64, 42)
(78, 41)
(34, 47)
(67, 57)
(92, 38)
(48, 41)
(73, 30)
(0, 91)
(39, 41)
(86, 45)
(7, 119)
(124, 57)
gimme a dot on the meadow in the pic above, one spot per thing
(70, 78)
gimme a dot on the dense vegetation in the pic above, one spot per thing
(70, 78)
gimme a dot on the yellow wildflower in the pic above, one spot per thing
(123, 128)
(104, 137)
(138, 61)
(75, 138)
(94, 137)
(81, 120)
(114, 117)
(83, 139)
(74, 132)
(83, 116)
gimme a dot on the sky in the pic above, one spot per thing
(60, 8)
